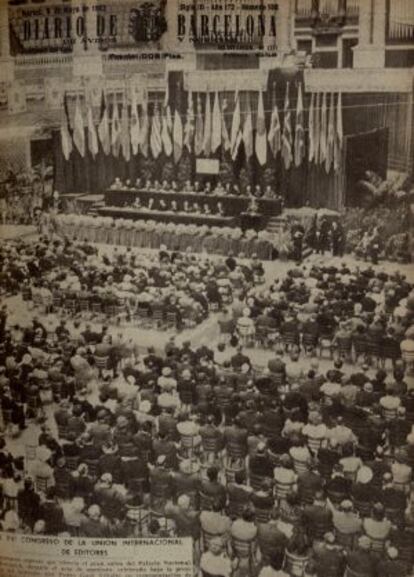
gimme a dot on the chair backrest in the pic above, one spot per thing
(92, 466)
(262, 515)
(72, 462)
(101, 362)
(160, 489)
(243, 548)
(377, 545)
(158, 314)
(63, 431)
(210, 444)
(283, 489)
(256, 481)
(206, 501)
(295, 564)
(30, 452)
(187, 441)
(42, 483)
(300, 466)
(346, 540)
(236, 450)
(96, 307)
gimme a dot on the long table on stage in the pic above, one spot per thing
(232, 205)
(166, 216)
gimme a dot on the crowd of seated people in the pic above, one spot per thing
(291, 465)
(309, 468)
(169, 288)
(342, 311)
(196, 187)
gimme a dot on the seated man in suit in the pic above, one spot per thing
(206, 209)
(258, 193)
(219, 190)
(116, 184)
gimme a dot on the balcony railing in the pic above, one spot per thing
(312, 8)
(400, 27)
(42, 60)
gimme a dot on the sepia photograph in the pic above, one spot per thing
(207, 288)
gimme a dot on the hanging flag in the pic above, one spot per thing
(177, 136)
(339, 140)
(275, 133)
(248, 131)
(261, 140)
(116, 131)
(311, 128)
(316, 127)
(199, 129)
(103, 127)
(207, 127)
(79, 129)
(216, 125)
(330, 144)
(125, 134)
(189, 129)
(135, 129)
(65, 136)
(225, 138)
(287, 132)
(155, 138)
(300, 150)
(166, 126)
(323, 130)
(92, 136)
(144, 133)
(236, 133)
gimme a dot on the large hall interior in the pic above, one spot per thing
(206, 280)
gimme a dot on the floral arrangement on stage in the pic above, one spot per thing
(390, 221)
(180, 237)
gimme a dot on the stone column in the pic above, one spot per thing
(285, 26)
(370, 51)
(6, 61)
(87, 60)
(380, 23)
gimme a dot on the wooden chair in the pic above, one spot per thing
(137, 517)
(295, 564)
(101, 363)
(245, 551)
(326, 346)
(42, 483)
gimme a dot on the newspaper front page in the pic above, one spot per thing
(206, 332)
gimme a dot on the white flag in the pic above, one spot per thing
(236, 133)
(135, 129)
(261, 140)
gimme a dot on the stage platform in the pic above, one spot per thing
(166, 216)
